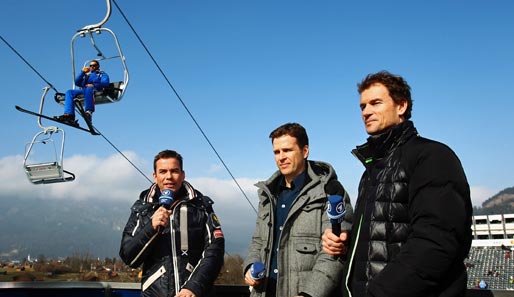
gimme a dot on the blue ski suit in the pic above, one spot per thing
(97, 78)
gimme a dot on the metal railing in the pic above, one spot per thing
(113, 289)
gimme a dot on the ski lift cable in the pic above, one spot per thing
(121, 153)
(183, 103)
(28, 64)
(51, 86)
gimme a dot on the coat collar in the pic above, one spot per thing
(186, 192)
(316, 172)
(378, 145)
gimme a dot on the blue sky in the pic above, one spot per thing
(245, 67)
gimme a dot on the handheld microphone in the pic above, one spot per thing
(166, 199)
(257, 270)
(336, 212)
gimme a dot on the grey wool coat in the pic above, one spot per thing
(302, 265)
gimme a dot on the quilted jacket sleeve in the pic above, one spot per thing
(138, 235)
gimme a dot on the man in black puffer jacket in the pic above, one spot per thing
(412, 220)
(178, 240)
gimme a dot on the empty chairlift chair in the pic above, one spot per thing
(50, 170)
(42, 163)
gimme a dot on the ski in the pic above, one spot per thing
(89, 124)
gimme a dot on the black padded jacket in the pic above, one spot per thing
(196, 251)
(412, 222)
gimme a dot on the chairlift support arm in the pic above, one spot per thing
(50, 129)
(102, 22)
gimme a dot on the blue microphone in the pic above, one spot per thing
(166, 199)
(336, 212)
(257, 270)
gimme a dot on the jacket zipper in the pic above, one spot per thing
(176, 275)
(271, 233)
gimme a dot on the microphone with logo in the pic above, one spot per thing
(336, 212)
(257, 271)
(165, 200)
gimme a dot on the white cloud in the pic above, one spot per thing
(12, 175)
(479, 194)
(110, 178)
(113, 178)
(214, 168)
(233, 209)
(11, 253)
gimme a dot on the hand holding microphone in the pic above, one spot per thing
(255, 274)
(257, 270)
(332, 240)
(161, 216)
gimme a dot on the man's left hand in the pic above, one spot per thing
(185, 293)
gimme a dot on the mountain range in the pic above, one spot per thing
(501, 203)
(60, 228)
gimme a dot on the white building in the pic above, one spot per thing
(493, 230)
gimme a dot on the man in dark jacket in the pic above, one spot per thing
(412, 226)
(177, 238)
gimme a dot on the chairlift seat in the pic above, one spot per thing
(110, 94)
(50, 171)
(46, 173)
(43, 170)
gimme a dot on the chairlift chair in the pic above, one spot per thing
(48, 171)
(115, 91)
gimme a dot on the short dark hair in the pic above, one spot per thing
(398, 88)
(168, 154)
(96, 61)
(294, 130)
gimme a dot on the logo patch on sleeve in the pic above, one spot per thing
(218, 233)
(215, 221)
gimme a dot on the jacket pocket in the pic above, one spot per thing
(142, 211)
(263, 224)
(304, 254)
(155, 276)
(263, 215)
(306, 248)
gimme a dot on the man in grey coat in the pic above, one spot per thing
(291, 218)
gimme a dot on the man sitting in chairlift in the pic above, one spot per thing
(89, 80)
